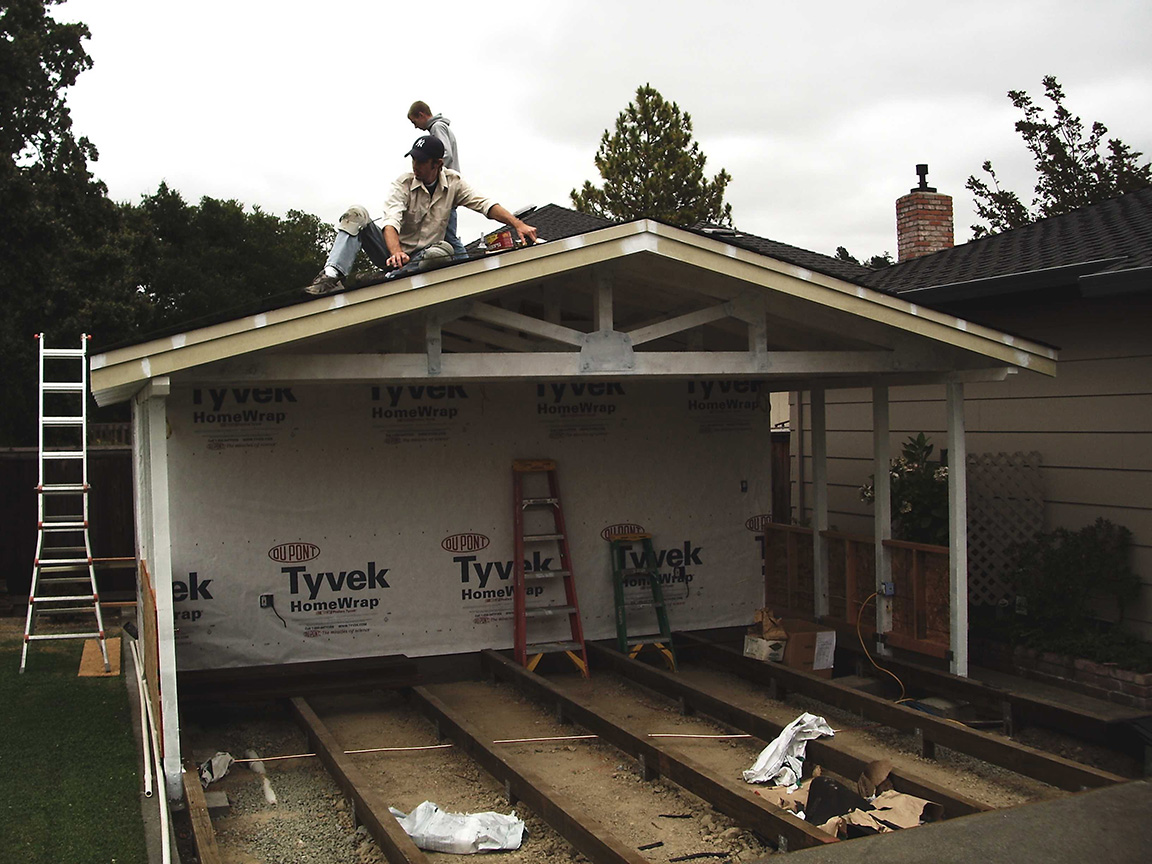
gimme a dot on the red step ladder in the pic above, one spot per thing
(525, 472)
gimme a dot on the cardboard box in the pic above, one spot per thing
(766, 650)
(807, 645)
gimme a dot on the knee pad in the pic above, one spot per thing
(353, 220)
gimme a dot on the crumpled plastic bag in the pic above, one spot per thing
(781, 763)
(435, 830)
(215, 768)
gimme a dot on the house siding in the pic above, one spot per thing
(1092, 424)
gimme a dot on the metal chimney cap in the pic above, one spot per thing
(922, 171)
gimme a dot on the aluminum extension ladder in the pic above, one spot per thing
(63, 571)
(529, 654)
(645, 566)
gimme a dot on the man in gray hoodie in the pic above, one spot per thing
(420, 115)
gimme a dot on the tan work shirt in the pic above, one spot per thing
(421, 217)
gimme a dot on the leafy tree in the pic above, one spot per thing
(876, 262)
(1072, 171)
(73, 261)
(58, 230)
(653, 169)
(192, 261)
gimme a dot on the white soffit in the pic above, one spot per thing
(118, 374)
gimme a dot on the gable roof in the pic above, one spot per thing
(1102, 248)
(689, 304)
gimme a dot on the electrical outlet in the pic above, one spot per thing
(265, 601)
(887, 589)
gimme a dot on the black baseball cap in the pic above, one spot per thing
(427, 147)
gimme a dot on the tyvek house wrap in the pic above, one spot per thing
(379, 517)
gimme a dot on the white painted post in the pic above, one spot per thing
(160, 567)
(957, 530)
(882, 505)
(820, 503)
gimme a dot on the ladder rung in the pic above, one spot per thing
(64, 352)
(539, 502)
(546, 574)
(47, 455)
(70, 598)
(63, 580)
(539, 538)
(60, 566)
(63, 386)
(63, 421)
(545, 611)
(63, 527)
(648, 638)
(43, 637)
(552, 647)
(62, 488)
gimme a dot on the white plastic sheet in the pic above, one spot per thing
(461, 833)
(781, 763)
(215, 768)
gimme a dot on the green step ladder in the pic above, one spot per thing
(632, 645)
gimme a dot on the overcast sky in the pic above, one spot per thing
(819, 111)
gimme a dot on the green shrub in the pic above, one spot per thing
(1058, 574)
(919, 494)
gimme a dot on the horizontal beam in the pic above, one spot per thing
(587, 835)
(370, 806)
(1028, 761)
(828, 753)
(737, 801)
(352, 368)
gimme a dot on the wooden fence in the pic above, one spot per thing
(111, 523)
(920, 610)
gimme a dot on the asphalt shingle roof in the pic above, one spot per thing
(555, 223)
(1119, 228)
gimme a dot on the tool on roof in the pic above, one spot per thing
(528, 654)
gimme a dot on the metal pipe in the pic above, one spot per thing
(143, 696)
(165, 830)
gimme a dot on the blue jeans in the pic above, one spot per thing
(347, 246)
(458, 251)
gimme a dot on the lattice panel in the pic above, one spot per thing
(1005, 507)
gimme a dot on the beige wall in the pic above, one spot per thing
(1092, 424)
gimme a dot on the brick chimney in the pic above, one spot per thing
(923, 220)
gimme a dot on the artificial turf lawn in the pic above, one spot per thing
(69, 768)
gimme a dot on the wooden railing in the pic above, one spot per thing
(920, 612)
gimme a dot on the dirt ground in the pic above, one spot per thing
(310, 822)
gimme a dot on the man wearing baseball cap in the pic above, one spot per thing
(415, 218)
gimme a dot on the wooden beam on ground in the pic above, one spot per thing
(587, 835)
(1028, 761)
(825, 751)
(203, 835)
(246, 683)
(370, 808)
(738, 801)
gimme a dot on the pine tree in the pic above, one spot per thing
(652, 168)
(1073, 173)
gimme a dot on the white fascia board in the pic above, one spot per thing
(120, 372)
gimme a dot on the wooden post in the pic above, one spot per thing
(820, 501)
(153, 402)
(882, 508)
(957, 530)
